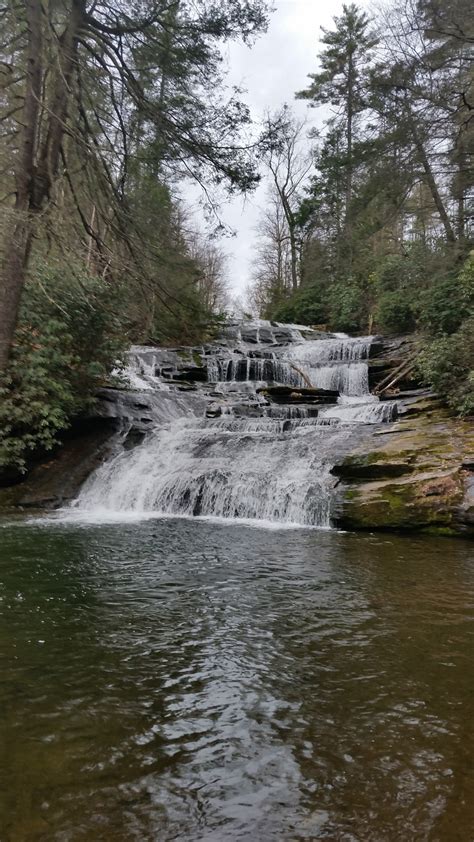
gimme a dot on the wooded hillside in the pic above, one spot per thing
(371, 230)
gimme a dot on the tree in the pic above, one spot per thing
(272, 266)
(386, 219)
(426, 81)
(84, 86)
(288, 167)
(342, 83)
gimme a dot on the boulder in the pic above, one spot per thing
(417, 478)
(56, 478)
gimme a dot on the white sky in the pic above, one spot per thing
(271, 72)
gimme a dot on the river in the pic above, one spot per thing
(177, 679)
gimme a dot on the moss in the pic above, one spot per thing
(440, 531)
(395, 499)
(414, 504)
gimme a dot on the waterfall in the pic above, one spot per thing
(219, 471)
(267, 369)
(226, 450)
(339, 364)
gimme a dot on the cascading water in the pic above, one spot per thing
(255, 460)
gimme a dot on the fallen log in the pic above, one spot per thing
(395, 376)
(298, 394)
(302, 375)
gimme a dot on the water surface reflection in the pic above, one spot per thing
(187, 680)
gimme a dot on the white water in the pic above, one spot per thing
(256, 461)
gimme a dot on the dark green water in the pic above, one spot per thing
(178, 680)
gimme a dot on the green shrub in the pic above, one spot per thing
(303, 307)
(392, 273)
(394, 313)
(347, 307)
(445, 306)
(67, 340)
(447, 364)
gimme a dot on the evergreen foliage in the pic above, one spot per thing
(385, 220)
(104, 110)
(67, 341)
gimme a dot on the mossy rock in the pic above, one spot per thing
(374, 465)
(420, 502)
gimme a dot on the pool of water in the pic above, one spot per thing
(186, 680)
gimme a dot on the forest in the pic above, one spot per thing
(108, 115)
(371, 230)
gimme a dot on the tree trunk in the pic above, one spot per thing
(349, 168)
(37, 167)
(19, 233)
(13, 280)
(431, 181)
(459, 185)
(350, 120)
(294, 260)
(290, 221)
(50, 152)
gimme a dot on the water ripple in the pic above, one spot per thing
(180, 680)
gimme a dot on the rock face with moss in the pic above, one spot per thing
(416, 475)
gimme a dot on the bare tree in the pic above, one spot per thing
(289, 166)
(212, 280)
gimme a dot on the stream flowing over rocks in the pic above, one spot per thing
(268, 423)
(248, 427)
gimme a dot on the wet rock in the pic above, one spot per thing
(413, 479)
(364, 467)
(183, 386)
(291, 395)
(213, 410)
(193, 374)
(466, 507)
(56, 479)
(133, 438)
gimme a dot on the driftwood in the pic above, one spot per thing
(298, 394)
(395, 376)
(303, 375)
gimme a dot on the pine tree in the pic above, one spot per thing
(342, 82)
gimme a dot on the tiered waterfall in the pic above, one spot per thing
(235, 445)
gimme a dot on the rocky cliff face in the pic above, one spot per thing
(416, 475)
(412, 473)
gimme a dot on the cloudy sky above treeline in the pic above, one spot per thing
(271, 71)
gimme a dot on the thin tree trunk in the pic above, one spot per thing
(431, 181)
(50, 153)
(290, 221)
(13, 280)
(350, 165)
(350, 120)
(461, 160)
(294, 258)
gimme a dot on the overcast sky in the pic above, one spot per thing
(271, 71)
